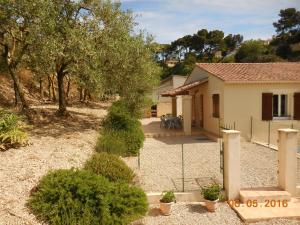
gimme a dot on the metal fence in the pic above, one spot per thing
(266, 132)
(181, 167)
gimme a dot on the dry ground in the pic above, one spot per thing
(54, 143)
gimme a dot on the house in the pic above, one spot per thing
(163, 105)
(171, 63)
(218, 95)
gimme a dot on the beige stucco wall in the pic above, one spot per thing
(164, 103)
(213, 86)
(243, 101)
(164, 108)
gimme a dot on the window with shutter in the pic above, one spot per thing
(267, 106)
(297, 106)
(216, 105)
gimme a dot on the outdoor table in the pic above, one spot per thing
(172, 122)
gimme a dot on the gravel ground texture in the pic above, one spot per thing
(54, 144)
(196, 214)
(161, 163)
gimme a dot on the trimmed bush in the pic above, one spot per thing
(127, 204)
(71, 197)
(67, 197)
(121, 142)
(110, 166)
(111, 142)
(121, 134)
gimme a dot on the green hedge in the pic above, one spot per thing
(110, 166)
(121, 133)
(120, 142)
(67, 197)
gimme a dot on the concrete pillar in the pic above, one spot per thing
(187, 114)
(287, 160)
(232, 168)
(174, 106)
(179, 105)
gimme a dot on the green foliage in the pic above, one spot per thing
(288, 34)
(65, 197)
(211, 192)
(255, 51)
(110, 166)
(228, 59)
(203, 44)
(122, 133)
(127, 204)
(121, 142)
(119, 117)
(111, 142)
(11, 131)
(168, 197)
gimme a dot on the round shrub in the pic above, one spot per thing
(110, 166)
(67, 197)
(127, 204)
(71, 197)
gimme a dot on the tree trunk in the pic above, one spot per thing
(16, 95)
(49, 87)
(19, 89)
(53, 90)
(68, 87)
(62, 110)
(84, 94)
(80, 94)
(41, 89)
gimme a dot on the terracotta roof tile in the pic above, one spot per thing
(253, 72)
(182, 89)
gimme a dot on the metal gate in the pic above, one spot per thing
(182, 167)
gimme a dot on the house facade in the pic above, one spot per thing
(235, 95)
(163, 105)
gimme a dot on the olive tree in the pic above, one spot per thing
(20, 25)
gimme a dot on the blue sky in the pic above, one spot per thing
(168, 20)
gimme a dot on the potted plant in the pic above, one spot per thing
(211, 195)
(166, 202)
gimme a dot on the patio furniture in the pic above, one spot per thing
(170, 122)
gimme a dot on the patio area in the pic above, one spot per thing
(152, 129)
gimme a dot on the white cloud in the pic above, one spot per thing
(175, 18)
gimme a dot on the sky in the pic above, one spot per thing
(168, 20)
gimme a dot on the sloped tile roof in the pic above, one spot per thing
(253, 72)
(182, 89)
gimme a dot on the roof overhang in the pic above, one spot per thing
(184, 89)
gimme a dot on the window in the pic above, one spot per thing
(216, 105)
(274, 105)
(280, 105)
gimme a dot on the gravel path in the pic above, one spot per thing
(161, 164)
(196, 214)
(55, 144)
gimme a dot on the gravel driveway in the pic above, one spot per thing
(196, 214)
(161, 164)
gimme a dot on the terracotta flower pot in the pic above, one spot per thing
(211, 205)
(165, 208)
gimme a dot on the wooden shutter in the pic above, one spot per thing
(216, 105)
(297, 106)
(267, 106)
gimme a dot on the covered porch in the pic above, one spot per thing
(192, 107)
(152, 129)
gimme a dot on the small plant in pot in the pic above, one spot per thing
(166, 202)
(211, 195)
